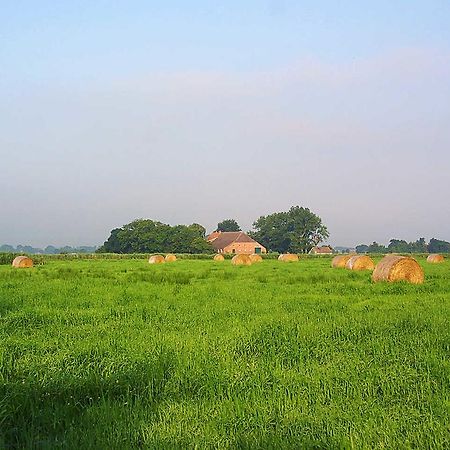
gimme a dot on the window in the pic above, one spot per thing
(257, 250)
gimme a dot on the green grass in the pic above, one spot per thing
(123, 354)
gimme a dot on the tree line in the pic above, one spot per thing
(294, 231)
(401, 246)
(49, 250)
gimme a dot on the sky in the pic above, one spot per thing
(197, 111)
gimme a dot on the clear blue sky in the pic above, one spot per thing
(198, 111)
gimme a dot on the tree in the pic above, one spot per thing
(437, 246)
(7, 249)
(398, 246)
(362, 248)
(148, 236)
(294, 231)
(228, 225)
(420, 246)
(375, 247)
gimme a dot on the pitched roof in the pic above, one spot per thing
(226, 238)
(323, 249)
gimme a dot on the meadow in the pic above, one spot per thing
(119, 354)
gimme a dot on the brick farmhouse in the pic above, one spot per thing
(234, 242)
(324, 250)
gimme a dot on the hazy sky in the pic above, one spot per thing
(196, 111)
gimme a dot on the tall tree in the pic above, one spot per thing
(228, 225)
(294, 231)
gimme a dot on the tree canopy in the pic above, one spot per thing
(228, 225)
(148, 236)
(437, 246)
(294, 231)
(402, 246)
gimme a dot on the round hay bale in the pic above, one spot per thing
(288, 257)
(435, 258)
(398, 268)
(156, 259)
(339, 261)
(218, 257)
(241, 260)
(22, 262)
(360, 262)
(255, 258)
(170, 257)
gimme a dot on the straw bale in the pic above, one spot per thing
(255, 258)
(170, 257)
(435, 258)
(398, 268)
(360, 262)
(241, 260)
(156, 259)
(22, 262)
(340, 261)
(288, 257)
(218, 257)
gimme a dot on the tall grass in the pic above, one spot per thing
(122, 354)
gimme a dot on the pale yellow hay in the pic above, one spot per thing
(435, 258)
(156, 259)
(339, 261)
(398, 268)
(170, 257)
(288, 257)
(360, 262)
(22, 262)
(241, 260)
(255, 258)
(218, 257)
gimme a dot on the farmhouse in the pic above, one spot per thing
(324, 250)
(234, 242)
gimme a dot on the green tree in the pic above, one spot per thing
(148, 236)
(228, 225)
(294, 231)
(362, 248)
(398, 246)
(437, 246)
(375, 247)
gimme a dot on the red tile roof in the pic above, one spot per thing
(226, 238)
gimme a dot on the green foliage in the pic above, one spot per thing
(401, 246)
(294, 231)
(375, 247)
(148, 236)
(437, 246)
(228, 225)
(121, 354)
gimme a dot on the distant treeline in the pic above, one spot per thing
(49, 250)
(401, 246)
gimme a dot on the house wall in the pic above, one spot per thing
(243, 247)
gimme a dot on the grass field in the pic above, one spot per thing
(121, 354)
